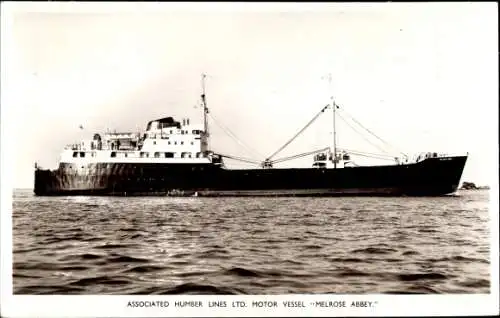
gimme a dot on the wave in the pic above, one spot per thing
(144, 269)
(126, 259)
(421, 276)
(139, 245)
(199, 289)
(459, 258)
(375, 250)
(104, 280)
(238, 271)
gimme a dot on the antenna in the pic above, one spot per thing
(205, 111)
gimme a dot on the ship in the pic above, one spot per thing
(173, 158)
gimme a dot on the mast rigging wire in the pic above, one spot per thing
(372, 133)
(239, 159)
(369, 155)
(298, 155)
(353, 128)
(298, 133)
(235, 138)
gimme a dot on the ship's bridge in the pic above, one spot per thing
(167, 135)
(161, 123)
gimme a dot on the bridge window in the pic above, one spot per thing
(157, 155)
(75, 154)
(144, 154)
(82, 154)
(186, 155)
(113, 154)
(182, 142)
(169, 154)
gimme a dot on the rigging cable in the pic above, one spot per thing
(239, 159)
(233, 136)
(353, 128)
(299, 155)
(297, 134)
(369, 155)
(372, 133)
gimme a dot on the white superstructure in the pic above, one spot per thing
(164, 141)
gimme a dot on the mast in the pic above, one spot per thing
(334, 136)
(334, 107)
(205, 112)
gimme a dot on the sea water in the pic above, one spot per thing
(164, 245)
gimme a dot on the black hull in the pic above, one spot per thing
(430, 177)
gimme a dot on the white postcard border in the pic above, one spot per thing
(107, 306)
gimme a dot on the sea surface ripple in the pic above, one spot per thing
(165, 245)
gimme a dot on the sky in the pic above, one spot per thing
(422, 76)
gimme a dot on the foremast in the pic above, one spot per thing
(206, 134)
